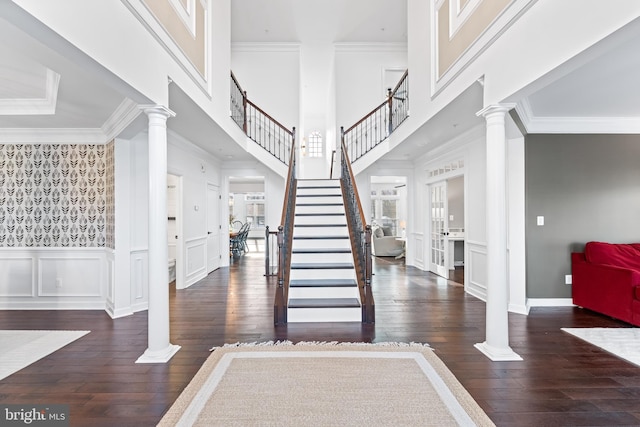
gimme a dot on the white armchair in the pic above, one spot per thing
(384, 244)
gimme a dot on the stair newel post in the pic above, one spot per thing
(280, 309)
(390, 102)
(244, 109)
(368, 271)
(267, 268)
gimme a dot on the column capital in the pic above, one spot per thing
(496, 109)
(161, 110)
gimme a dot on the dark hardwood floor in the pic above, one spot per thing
(561, 382)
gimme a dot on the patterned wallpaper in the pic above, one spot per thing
(56, 195)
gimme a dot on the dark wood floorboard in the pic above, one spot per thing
(561, 382)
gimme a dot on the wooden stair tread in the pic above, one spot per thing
(322, 266)
(323, 283)
(322, 187)
(319, 195)
(324, 303)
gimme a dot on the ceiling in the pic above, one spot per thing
(601, 84)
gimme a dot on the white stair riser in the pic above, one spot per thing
(319, 190)
(321, 219)
(320, 231)
(321, 243)
(320, 209)
(300, 315)
(324, 292)
(317, 182)
(343, 273)
(320, 199)
(323, 258)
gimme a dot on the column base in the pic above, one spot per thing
(158, 356)
(498, 354)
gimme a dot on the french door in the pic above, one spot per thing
(439, 227)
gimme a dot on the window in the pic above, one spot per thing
(384, 208)
(254, 206)
(314, 144)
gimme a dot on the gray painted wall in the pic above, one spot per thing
(587, 187)
(455, 196)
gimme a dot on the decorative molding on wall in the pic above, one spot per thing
(476, 283)
(195, 260)
(53, 278)
(202, 78)
(574, 125)
(53, 195)
(34, 106)
(493, 31)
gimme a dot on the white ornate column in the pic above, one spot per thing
(159, 349)
(496, 347)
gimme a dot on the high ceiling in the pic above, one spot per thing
(602, 84)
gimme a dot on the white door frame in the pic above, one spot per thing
(180, 276)
(441, 265)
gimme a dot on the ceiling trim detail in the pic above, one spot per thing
(370, 47)
(574, 125)
(122, 117)
(34, 106)
(52, 136)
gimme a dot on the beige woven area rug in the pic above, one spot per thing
(324, 384)
(21, 348)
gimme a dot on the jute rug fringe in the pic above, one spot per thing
(321, 343)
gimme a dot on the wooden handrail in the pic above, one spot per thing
(355, 188)
(404, 76)
(285, 241)
(333, 160)
(269, 117)
(360, 234)
(371, 113)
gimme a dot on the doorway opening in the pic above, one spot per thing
(447, 229)
(247, 213)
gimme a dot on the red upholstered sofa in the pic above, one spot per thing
(606, 279)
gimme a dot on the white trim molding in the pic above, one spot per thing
(575, 125)
(34, 106)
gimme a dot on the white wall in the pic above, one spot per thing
(270, 73)
(359, 78)
(196, 168)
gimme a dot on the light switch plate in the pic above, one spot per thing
(540, 220)
(568, 279)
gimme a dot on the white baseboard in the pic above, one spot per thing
(549, 302)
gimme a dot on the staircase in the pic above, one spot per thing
(322, 286)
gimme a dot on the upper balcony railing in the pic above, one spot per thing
(259, 126)
(376, 126)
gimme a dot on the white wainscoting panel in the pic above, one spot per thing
(476, 270)
(139, 280)
(53, 278)
(16, 276)
(74, 277)
(418, 255)
(195, 260)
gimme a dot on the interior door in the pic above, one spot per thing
(439, 251)
(213, 227)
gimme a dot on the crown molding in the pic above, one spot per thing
(574, 125)
(265, 47)
(52, 136)
(122, 117)
(371, 47)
